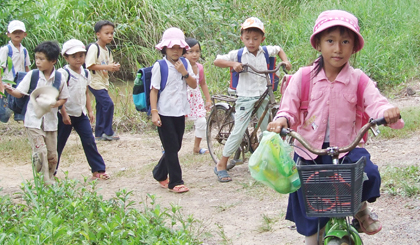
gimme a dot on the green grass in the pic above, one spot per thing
(73, 213)
(411, 118)
(401, 181)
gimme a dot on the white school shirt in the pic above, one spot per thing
(49, 121)
(250, 84)
(18, 59)
(76, 103)
(172, 101)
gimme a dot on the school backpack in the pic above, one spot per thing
(97, 55)
(10, 54)
(141, 89)
(361, 116)
(271, 64)
(68, 72)
(18, 105)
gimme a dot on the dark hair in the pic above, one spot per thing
(163, 51)
(252, 29)
(192, 42)
(50, 49)
(101, 23)
(319, 62)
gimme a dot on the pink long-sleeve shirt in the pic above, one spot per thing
(332, 104)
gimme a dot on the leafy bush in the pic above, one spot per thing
(73, 213)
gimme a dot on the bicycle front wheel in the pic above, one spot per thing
(219, 126)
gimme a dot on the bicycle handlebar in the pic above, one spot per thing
(334, 151)
(281, 64)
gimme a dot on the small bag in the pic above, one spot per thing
(5, 112)
(273, 165)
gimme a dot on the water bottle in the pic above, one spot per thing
(138, 80)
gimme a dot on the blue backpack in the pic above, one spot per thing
(141, 89)
(10, 54)
(271, 64)
(18, 105)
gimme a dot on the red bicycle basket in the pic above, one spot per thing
(332, 190)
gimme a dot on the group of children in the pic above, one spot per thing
(331, 111)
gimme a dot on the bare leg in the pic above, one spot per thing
(311, 240)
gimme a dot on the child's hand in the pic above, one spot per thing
(277, 125)
(392, 115)
(208, 105)
(288, 65)
(7, 87)
(66, 120)
(156, 119)
(179, 66)
(91, 117)
(114, 67)
(237, 67)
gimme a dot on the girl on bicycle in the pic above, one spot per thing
(197, 108)
(168, 113)
(331, 115)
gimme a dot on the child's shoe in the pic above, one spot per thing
(110, 137)
(368, 221)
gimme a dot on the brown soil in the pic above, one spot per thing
(230, 213)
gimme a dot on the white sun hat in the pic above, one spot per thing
(42, 99)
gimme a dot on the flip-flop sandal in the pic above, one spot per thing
(100, 176)
(222, 175)
(164, 183)
(368, 221)
(202, 151)
(179, 189)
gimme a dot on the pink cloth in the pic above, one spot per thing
(334, 102)
(195, 98)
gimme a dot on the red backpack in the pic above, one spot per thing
(361, 117)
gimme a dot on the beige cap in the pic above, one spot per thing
(73, 46)
(253, 22)
(15, 25)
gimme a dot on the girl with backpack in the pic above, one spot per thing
(197, 107)
(331, 117)
(169, 106)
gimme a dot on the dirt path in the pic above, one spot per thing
(240, 212)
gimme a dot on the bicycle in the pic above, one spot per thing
(334, 190)
(221, 120)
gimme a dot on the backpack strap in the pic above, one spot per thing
(25, 54)
(361, 116)
(10, 54)
(57, 80)
(34, 80)
(164, 72)
(68, 78)
(305, 88)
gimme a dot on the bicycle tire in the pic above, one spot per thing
(218, 132)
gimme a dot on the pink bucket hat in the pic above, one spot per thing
(171, 37)
(332, 18)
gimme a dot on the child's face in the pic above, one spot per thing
(336, 48)
(193, 54)
(76, 60)
(106, 34)
(17, 36)
(174, 53)
(42, 63)
(252, 40)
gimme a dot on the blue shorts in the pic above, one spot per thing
(308, 226)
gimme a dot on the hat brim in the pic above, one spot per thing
(253, 26)
(75, 50)
(16, 29)
(171, 43)
(337, 23)
(42, 98)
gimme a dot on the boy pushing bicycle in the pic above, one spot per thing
(250, 86)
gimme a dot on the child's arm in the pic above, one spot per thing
(12, 91)
(205, 90)
(179, 66)
(278, 124)
(59, 103)
(1, 87)
(66, 117)
(89, 106)
(153, 105)
(226, 63)
(283, 57)
(110, 67)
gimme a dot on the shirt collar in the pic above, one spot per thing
(342, 77)
(52, 76)
(13, 46)
(260, 49)
(168, 62)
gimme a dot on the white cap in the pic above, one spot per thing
(73, 46)
(253, 22)
(15, 25)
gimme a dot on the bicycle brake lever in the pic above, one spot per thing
(375, 130)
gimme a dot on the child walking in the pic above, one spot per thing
(250, 86)
(99, 61)
(42, 131)
(16, 31)
(77, 112)
(331, 116)
(168, 113)
(197, 107)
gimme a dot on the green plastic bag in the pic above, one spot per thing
(273, 165)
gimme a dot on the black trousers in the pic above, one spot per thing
(170, 134)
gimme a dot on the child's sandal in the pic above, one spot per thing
(100, 176)
(179, 189)
(164, 183)
(368, 221)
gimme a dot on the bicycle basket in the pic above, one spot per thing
(332, 190)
